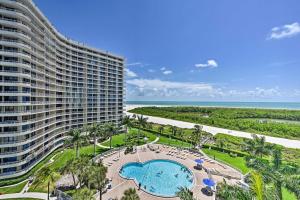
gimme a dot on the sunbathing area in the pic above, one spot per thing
(201, 173)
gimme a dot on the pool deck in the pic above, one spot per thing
(119, 184)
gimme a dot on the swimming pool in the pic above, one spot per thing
(159, 177)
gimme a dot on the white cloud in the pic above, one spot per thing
(257, 92)
(285, 31)
(130, 73)
(151, 70)
(296, 93)
(156, 88)
(210, 64)
(134, 64)
(167, 72)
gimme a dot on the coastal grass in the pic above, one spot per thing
(241, 119)
(13, 189)
(235, 162)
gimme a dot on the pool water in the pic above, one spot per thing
(159, 177)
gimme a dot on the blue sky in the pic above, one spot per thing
(208, 50)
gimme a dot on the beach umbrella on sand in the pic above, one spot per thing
(199, 161)
(209, 182)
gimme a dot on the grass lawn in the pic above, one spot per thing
(172, 142)
(59, 161)
(288, 195)
(14, 189)
(119, 140)
(236, 162)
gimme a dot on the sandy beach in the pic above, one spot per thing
(214, 130)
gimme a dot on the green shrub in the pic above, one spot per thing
(232, 153)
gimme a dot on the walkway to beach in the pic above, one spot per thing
(214, 130)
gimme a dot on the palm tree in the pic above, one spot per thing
(93, 133)
(83, 194)
(70, 168)
(277, 174)
(281, 174)
(259, 189)
(173, 130)
(46, 174)
(82, 165)
(257, 186)
(130, 194)
(197, 134)
(257, 146)
(142, 122)
(98, 172)
(221, 143)
(111, 130)
(229, 192)
(149, 126)
(180, 134)
(126, 121)
(133, 116)
(292, 184)
(161, 129)
(185, 194)
(77, 139)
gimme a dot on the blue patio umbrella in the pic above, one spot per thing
(209, 182)
(199, 161)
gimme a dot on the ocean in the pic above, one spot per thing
(272, 105)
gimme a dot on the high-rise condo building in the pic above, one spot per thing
(48, 86)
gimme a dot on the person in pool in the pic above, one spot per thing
(176, 175)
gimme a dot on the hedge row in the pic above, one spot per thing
(229, 151)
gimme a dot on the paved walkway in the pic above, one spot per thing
(102, 146)
(36, 195)
(214, 130)
(154, 141)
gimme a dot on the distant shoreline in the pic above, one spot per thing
(257, 105)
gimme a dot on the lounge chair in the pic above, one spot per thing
(115, 159)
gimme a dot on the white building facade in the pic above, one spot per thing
(48, 86)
